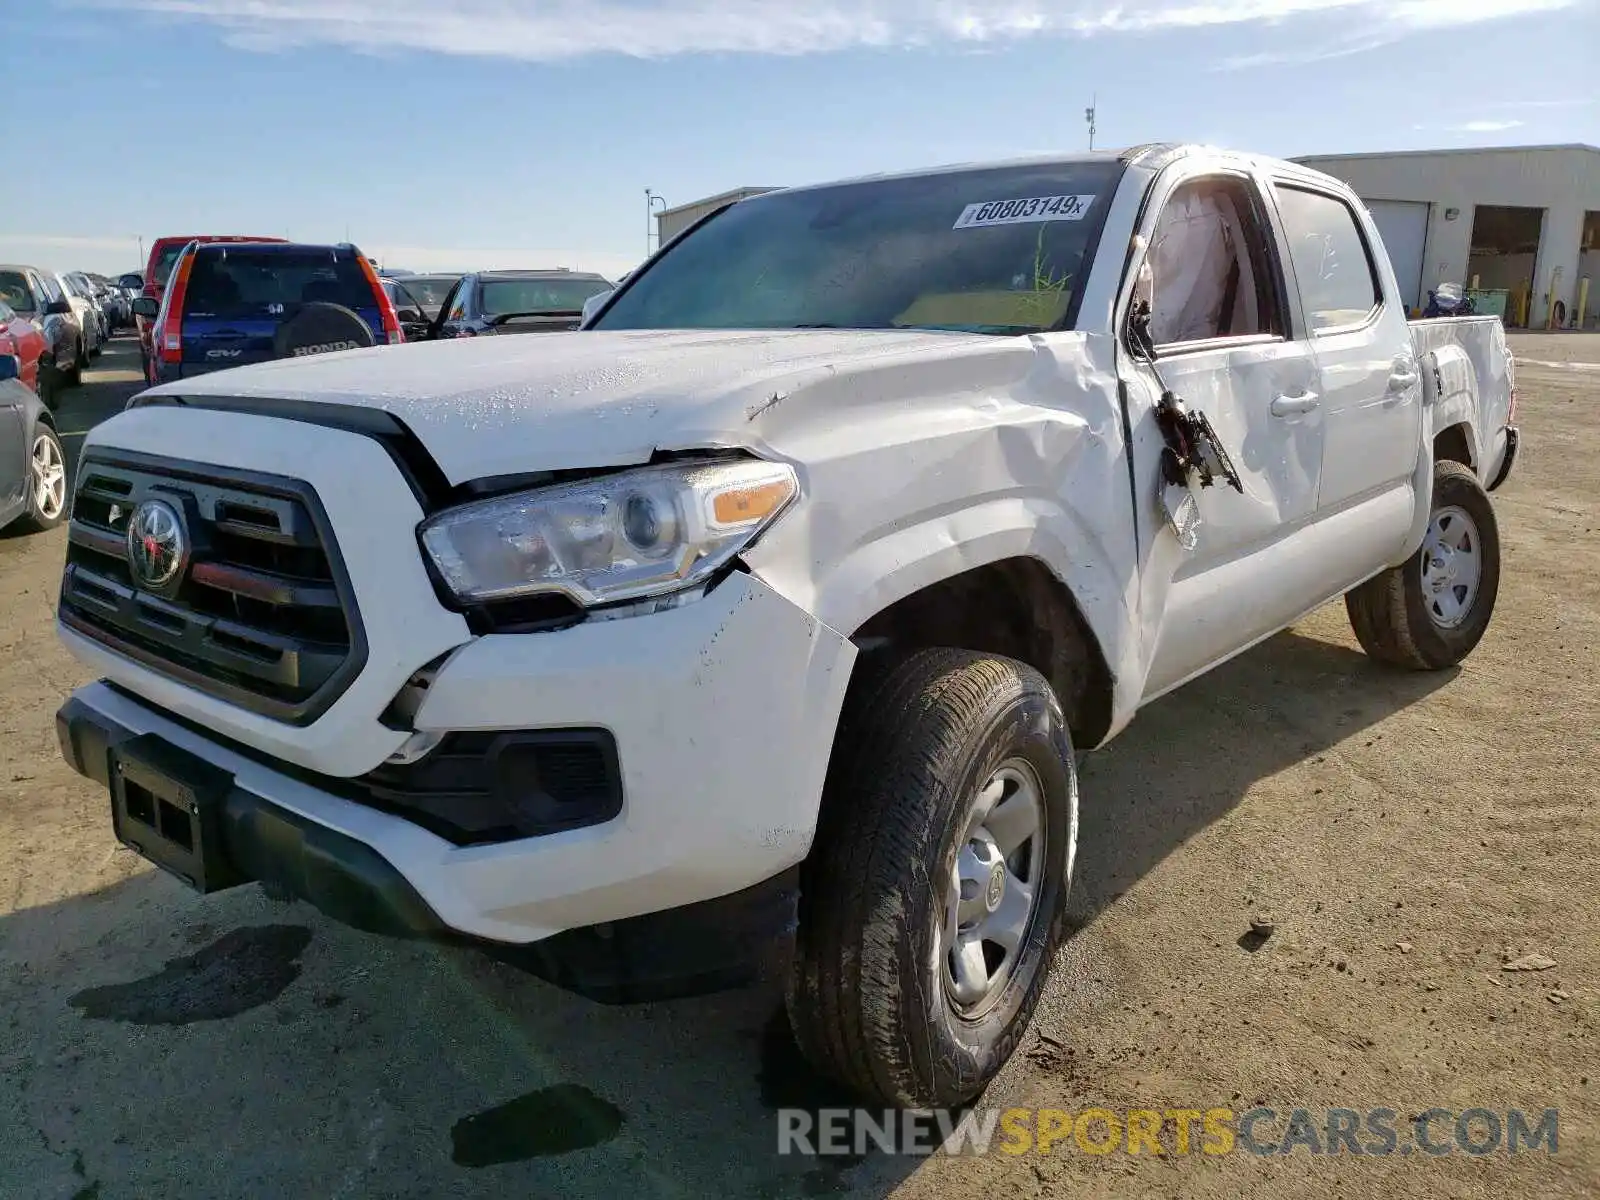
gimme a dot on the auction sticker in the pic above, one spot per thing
(1021, 212)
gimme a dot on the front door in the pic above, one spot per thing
(14, 450)
(1221, 325)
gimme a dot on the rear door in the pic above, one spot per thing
(238, 296)
(1371, 390)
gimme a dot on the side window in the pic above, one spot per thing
(52, 289)
(458, 303)
(1338, 286)
(1211, 274)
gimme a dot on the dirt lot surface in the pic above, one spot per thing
(1404, 834)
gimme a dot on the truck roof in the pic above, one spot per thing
(1147, 154)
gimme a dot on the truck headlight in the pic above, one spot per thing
(626, 536)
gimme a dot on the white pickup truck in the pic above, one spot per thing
(785, 594)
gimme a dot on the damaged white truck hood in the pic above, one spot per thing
(510, 405)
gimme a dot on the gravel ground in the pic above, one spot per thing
(1404, 835)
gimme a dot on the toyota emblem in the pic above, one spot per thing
(158, 546)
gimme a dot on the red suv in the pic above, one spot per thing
(163, 253)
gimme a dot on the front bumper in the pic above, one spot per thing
(684, 951)
(722, 710)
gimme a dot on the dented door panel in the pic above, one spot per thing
(1278, 460)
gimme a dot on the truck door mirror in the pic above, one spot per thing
(1139, 311)
(592, 305)
(146, 307)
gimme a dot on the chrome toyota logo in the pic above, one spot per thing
(158, 547)
(997, 887)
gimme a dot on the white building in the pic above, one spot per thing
(671, 222)
(1523, 219)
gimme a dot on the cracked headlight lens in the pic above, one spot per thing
(626, 536)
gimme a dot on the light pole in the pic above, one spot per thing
(650, 202)
(1088, 115)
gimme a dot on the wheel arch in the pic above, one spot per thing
(1457, 443)
(1017, 607)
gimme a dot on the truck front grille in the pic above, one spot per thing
(260, 612)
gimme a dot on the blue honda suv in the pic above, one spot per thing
(232, 303)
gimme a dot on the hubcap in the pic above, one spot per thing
(49, 478)
(993, 891)
(1452, 565)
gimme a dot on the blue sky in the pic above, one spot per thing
(469, 133)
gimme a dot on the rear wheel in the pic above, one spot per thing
(933, 900)
(72, 376)
(1432, 610)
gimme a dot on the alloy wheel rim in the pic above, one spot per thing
(992, 895)
(49, 478)
(1452, 566)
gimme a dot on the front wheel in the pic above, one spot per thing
(1432, 610)
(934, 898)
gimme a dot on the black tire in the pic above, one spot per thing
(34, 519)
(1392, 614)
(49, 385)
(867, 995)
(321, 328)
(80, 358)
(72, 375)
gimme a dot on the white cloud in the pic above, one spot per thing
(67, 241)
(551, 30)
(1484, 126)
(481, 258)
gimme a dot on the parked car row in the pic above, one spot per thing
(43, 329)
(218, 301)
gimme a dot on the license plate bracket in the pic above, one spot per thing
(169, 806)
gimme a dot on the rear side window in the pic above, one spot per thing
(164, 263)
(1338, 285)
(261, 283)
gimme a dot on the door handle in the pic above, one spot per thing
(1294, 406)
(1402, 379)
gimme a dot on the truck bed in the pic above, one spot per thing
(1468, 376)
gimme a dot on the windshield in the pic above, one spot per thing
(247, 283)
(997, 251)
(503, 296)
(14, 291)
(429, 290)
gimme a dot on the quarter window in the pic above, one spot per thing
(1338, 285)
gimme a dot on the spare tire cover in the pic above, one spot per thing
(321, 328)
